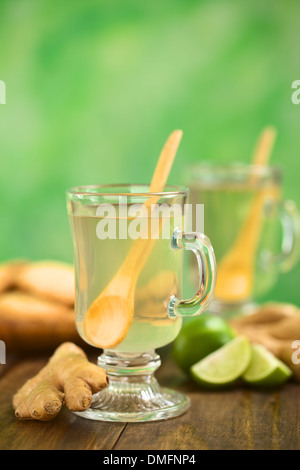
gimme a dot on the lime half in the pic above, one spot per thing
(265, 370)
(224, 366)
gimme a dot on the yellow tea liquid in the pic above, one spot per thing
(98, 262)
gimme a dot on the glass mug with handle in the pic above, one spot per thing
(255, 234)
(106, 222)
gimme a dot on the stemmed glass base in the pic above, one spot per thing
(134, 394)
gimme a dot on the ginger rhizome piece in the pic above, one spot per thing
(276, 326)
(67, 378)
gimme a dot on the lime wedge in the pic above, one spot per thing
(224, 366)
(265, 370)
(198, 338)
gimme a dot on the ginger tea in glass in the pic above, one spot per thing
(103, 240)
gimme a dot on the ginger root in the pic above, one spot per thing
(37, 305)
(276, 326)
(67, 378)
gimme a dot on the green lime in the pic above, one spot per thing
(199, 337)
(224, 366)
(265, 370)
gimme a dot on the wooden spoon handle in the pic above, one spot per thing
(165, 162)
(265, 144)
(141, 248)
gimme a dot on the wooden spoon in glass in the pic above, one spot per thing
(236, 270)
(109, 317)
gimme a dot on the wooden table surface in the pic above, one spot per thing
(235, 419)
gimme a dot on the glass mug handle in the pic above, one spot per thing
(290, 245)
(203, 250)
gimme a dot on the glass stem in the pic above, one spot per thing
(129, 367)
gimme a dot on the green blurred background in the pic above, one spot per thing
(95, 87)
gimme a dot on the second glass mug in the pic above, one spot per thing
(243, 214)
(134, 394)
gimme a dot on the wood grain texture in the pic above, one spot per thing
(234, 419)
